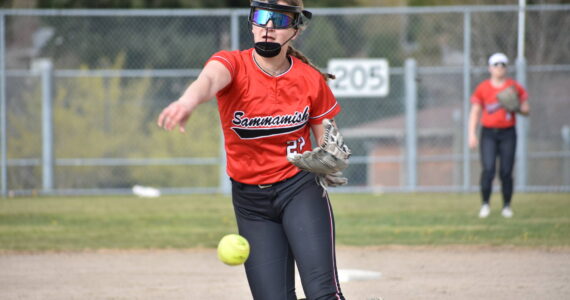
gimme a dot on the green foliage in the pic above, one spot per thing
(24, 135)
(25, 140)
(113, 117)
(149, 42)
(383, 45)
(319, 39)
(45, 224)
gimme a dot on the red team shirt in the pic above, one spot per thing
(494, 116)
(266, 117)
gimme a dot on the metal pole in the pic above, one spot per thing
(411, 122)
(522, 123)
(521, 29)
(457, 147)
(370, 165)
(224, 184)
(466, 96)
(235, 30)
(45, 67)
(3, 114)
(565, 132)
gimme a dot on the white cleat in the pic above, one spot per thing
(507, 212)
(485, 211)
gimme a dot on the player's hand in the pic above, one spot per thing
(175, 114)
(473, 141)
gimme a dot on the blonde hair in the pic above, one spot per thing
(298, 54)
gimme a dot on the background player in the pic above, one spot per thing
(498, 134)
(269, 100)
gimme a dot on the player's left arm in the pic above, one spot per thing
(319, 130)
(326, 106)
(319, 133)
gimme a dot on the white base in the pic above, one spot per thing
(346, 275)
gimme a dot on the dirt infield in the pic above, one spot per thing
(406, 273)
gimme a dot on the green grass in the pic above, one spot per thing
(81, 223)
(451, 219)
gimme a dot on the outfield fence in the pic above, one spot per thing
(80, 91)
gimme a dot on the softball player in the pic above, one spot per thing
(269, 99)
(498, 134)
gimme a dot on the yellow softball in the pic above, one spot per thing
(233, 249)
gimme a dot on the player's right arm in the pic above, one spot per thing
(472, 127)
(214, 77)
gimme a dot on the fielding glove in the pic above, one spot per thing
(330, 157)
(509, 99)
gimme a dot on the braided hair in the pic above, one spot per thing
(296, 53)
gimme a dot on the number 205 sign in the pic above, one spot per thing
(359, 77)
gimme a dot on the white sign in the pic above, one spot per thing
(359, 77)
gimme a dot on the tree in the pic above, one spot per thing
(97, 117)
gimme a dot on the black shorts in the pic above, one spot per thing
(286, 223)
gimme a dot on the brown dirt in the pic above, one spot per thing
(407, 273)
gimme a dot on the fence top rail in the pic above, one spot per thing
(71, 73)
(435, 9)
(245, 11)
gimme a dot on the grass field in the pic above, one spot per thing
(127, 222)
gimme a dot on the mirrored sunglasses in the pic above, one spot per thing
(261, 17)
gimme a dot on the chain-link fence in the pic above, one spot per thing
(81, 90)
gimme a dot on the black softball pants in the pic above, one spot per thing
(286, 223)
(501, 144)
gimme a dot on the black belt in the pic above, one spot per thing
(264, 186)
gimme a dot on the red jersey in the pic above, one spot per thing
(494, 115)
(266, 117)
